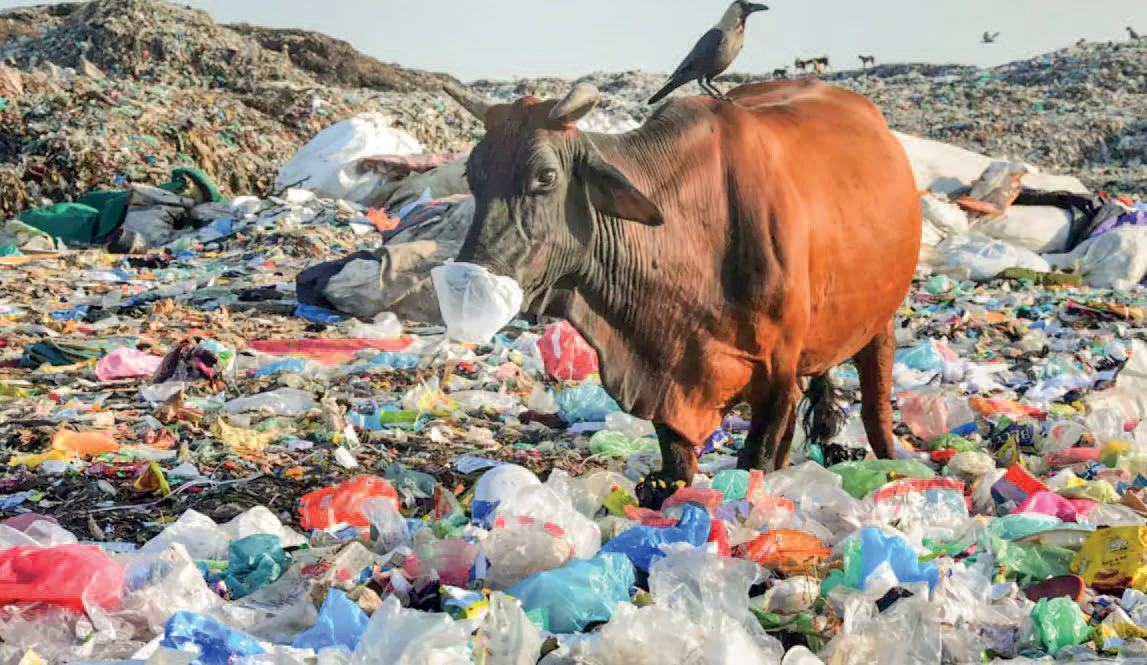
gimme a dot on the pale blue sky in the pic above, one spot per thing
(503, 38)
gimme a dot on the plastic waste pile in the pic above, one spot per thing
(199, 470)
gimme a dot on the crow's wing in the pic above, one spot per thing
(703, 53)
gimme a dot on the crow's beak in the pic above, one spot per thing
(753, 7)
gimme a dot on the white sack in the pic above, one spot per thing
(1115, 259)
(976, 256)
(1038, 228)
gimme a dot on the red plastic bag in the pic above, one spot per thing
(59, 575)
(708, 498)
(342, 503)
(565, 354)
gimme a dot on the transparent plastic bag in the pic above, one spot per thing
(475, 303)
(581, 592)
(400, 636)
(544, 504)
(518, 550)
(506, 636)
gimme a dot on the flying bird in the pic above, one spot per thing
(713, 53)
(989, 37)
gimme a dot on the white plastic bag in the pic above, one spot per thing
(979, 257)
(1115, 259)
(507, 637)
(945, 218)
(328, 164)
(475, 303)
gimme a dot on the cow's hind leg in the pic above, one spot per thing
(771, 428)
(874, 364)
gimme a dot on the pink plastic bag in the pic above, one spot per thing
(708, 498)
(1050, 503)
(60, 575)
(126, 363)
(565, 354)
(930, 412)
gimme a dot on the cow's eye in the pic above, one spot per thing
(547, 177)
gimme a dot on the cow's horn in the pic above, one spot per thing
(478, 107)
(579, 102)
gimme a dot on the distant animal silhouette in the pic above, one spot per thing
(781, 73)
(820, 64)
(1134, 35)
(866, 60)
(989, 37)
(802, 64)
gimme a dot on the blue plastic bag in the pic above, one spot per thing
(642, 544)
(579, 593)
(341, 623)
(217, 643)
(877, 547)
(587, 401)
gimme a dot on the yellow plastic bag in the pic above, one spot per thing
(1113, 559)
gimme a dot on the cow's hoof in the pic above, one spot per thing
(655, 488)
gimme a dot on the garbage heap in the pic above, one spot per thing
(199, 469)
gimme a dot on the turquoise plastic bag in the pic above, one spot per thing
(341, 623)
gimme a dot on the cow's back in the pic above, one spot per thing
(833, 188)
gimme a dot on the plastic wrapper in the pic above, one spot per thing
(475, 303)
(581, 592)
(565, 354)
(506, 636)
(1112, 559)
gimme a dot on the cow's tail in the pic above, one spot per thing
(824, 417)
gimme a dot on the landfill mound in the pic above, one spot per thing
(335, 62)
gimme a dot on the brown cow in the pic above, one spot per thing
(716, 254)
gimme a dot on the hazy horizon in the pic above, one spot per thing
(508, 38)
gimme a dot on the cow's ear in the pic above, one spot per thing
(612, 193)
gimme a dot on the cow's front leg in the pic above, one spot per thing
(678, 464)
(771, 429)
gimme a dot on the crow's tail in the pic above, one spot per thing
(672, 85)
(824, 417)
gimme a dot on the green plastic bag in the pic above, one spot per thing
(865, 476)
(733, 483)
(616, 444)
(253, 563)
(1031, 563)
(949, 441)
(1060, 623)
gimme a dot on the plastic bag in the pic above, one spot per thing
(947, 218)
(280, 402)
(125, 363)
(865, 476)
(502, 483)
(342, 503)
(931, 412)
(400, 636)
(63, 575)
(1116, 259)
(451, 559)
(1027, 563)
(544, 505)
(523, 548)
(579, 593)
(475, 303)
(1060, 623)
(216, 642)
(934, 507)
(506, 636)
(616, 444)
(254, 562)
(586, 402)
(644, 544)
(979, 257)
(329, 163)
(565, 354)
(341, 623)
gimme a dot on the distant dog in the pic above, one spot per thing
(781, 73)
(866, 60)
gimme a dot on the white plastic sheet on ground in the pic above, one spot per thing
(328, 164)
(1036, 228)
(1116, 259)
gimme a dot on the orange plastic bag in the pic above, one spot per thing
(84, 444)
(59, 575)
(342, 503)
(787, 550)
